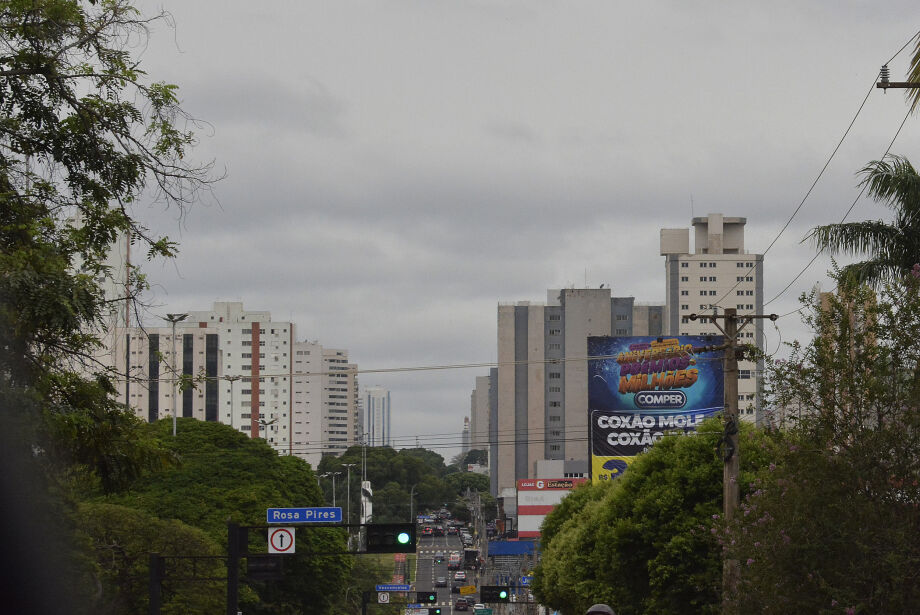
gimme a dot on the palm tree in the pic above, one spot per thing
(913, 76)
(892, 248)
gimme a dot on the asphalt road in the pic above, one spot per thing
(427, 569)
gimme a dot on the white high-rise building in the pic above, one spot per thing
(718, 272)
(479, 414)
(250, 373)
(377, 409)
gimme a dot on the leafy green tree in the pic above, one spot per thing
(642, 543)
(224, 475)
(123, 537)
(832, 524)
(891, 248)
(83, 136)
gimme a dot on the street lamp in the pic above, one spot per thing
(348, 467)
(231, 380)
(333, 475)
(174, 318)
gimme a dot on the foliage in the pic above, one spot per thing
(832, 526)
(642, 543)
(123, 537)
(83, 136)
(393, 474)
(892, 248)
(225, 475)
(913, 75)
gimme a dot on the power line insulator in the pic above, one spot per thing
(884, 74)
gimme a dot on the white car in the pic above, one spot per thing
(479, 605)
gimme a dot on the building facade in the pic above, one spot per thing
(250, 373)
(717, 272)
(377, 415)
(541, 383)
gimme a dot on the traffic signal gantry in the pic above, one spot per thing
(390, 537)
(494, 594)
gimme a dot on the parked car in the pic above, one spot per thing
(440, 582)
(461, 605)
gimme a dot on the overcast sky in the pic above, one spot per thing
(395, 169)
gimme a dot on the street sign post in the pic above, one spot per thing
(325, 514)
(383, 598)
(393, 587)
(281, 540)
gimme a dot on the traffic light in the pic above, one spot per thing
(426, 597)
(494, 593)
(434, 610)
(390, 537)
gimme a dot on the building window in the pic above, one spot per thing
(555, 317)
(684, 320)
(555, 404)
(622, 317)
(712, 293)
(684, 293)
(739, 264)
(712, 264)
(704, 265)
(712, 278)
(555, 331)
(684, 278)
(749, 293)
(739, 293)
(621, 331)
(684, 306)
(554, 447)
(744, 374)
(702, 278)
(554, 419)
(555, 375)
(740, 278)
(685, 265)
(555, 389)
(749, 264)
(703, 293)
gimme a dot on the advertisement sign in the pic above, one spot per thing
(641, 388)
(536, 498)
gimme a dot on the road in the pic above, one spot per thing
(427, 569)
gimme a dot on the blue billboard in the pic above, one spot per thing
(649, 374)
(641, 388)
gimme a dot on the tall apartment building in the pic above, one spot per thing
(479, 414)
(148, 357)
(718, 272)
(377, 416)
(465, 436)
(250, 373)
(542, 380)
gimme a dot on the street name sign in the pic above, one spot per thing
(466, 590)
(326, 514)
(392, 587)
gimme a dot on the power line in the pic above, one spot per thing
(818, 177)
(845, 215)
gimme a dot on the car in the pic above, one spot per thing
(427, 531)
(440, 582)
(438, 530)
(460, 576)
(452, 530)
(461, 605)
(479, 605)
(455, 589)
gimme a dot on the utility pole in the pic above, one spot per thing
(884, 83)
(731, 454)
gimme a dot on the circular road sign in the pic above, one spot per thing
(281, 540)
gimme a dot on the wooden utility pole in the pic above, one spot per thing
(731, 453)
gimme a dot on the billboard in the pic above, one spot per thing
(640, 388)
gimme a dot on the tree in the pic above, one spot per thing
(83, 136)
(642, 543)
(223, 474)
(913, 75)
(892, 248)
(831, 526)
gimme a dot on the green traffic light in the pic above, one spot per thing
(403, 538)
(502, 594)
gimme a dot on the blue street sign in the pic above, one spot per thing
(393, 588)
(415, 606)
(525, 581)
(305, 515)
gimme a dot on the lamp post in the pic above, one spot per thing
(231, 380)
(333, 475)
(412, 504)
(174, 318)
(348, 467)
